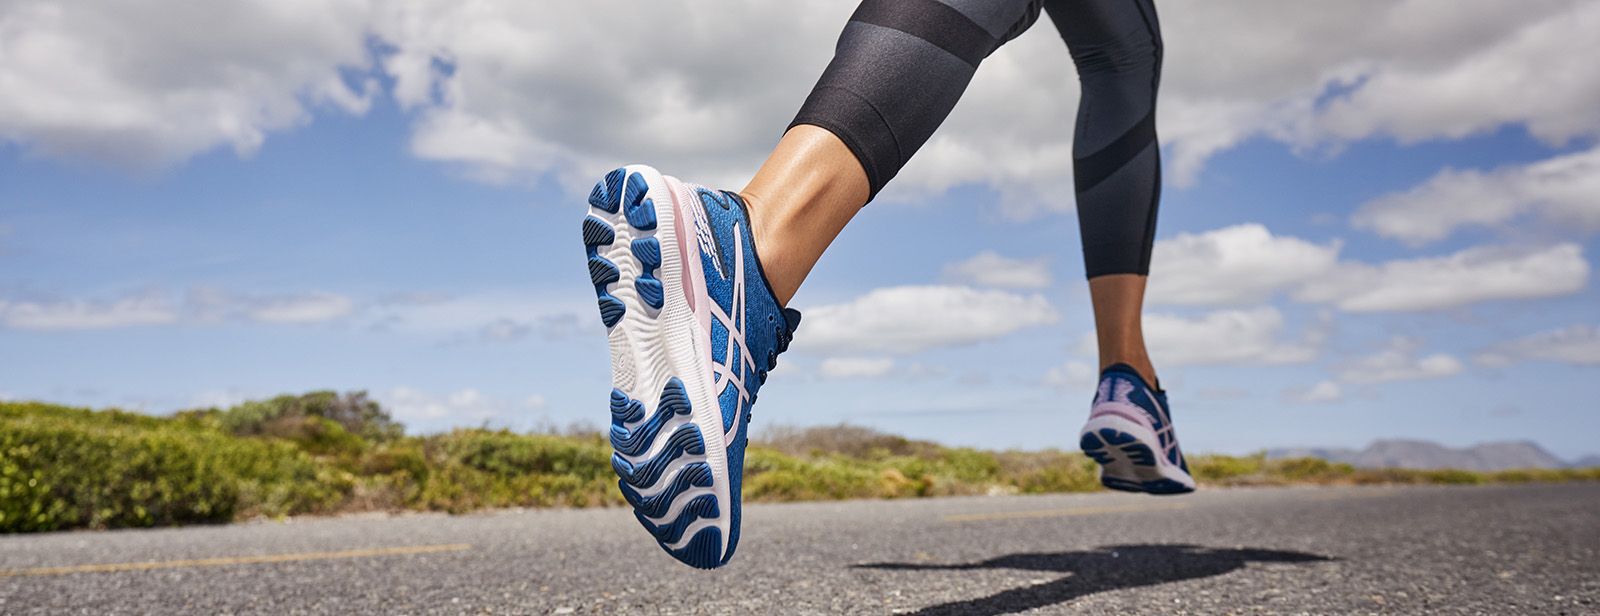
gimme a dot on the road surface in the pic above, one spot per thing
(1474, 550)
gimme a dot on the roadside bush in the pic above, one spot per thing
(503, 453)
(1227, 469)
(856, 442)
(65, 468)
(471, 469)
(1048, 471)
(58, 475)
(289, 416)
(1309, 470)
(114, 418)
(774, 476)
(1453, 477)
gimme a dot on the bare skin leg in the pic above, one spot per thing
(812, 185)
(805, 193)
(1118, 304)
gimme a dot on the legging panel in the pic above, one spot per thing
(901, 65)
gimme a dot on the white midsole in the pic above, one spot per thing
(1121, 466)
(650, 347)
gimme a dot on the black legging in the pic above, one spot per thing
(901, 65)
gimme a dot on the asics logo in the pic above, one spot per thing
(723, 376)
(1118, 391)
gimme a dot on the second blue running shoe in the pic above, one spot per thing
(693, 329)
(1130, 434)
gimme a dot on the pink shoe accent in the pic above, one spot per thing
(683, 231)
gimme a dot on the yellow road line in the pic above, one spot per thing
(235, 560)
(1061, 513)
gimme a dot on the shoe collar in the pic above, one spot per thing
(1129, 372)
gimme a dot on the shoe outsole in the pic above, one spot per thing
(1128, 462)
(660, 455)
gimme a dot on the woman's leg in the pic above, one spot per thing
(1118, 301)
(809, 188)
(691, 281)
(898, 70)
(1116, 45)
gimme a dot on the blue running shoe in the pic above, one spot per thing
(1130, 434)
(693, 329)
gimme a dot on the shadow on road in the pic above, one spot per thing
(1092, 571)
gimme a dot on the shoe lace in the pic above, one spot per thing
(784, 334)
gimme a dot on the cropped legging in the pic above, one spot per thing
(901, 65)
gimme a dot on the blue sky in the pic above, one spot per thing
(1350, 247)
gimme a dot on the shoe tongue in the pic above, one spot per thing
(1128, 370)
(791, 322)
(792, 316)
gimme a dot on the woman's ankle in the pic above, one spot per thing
(799, 201)
(772, 251)
(1140, 364)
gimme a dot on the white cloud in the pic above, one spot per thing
(1527, 69)
(991, 269)
(553, 326)
(1472, 275)
(484, 317)
(916, 318)
(855, 367)
(424, 411)
(153, 83)
(1253, 336)
(1233, 265)
(1247, 263)
(1577, 345)
(312, 308)
(495, 85)
(1564, 190)
(1073, 374)
(155, 307)
(1315, 79)
(1399, 362)
(144, 308)
(212, 305)
(505, 330)
(1323, 392)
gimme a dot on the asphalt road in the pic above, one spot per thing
(1477, 550)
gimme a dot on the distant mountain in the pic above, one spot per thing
(1587, 462)
(1403, 453)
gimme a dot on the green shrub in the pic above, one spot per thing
(58, 475)
(64, 468)
(471, 469)
(854, 442)
(507, 454)
(285, 416)
(1309, 469)
(970, 465)
(1048, 471)
(1453, 477)
(402, 457)
(820, 480)
(1225, 469)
